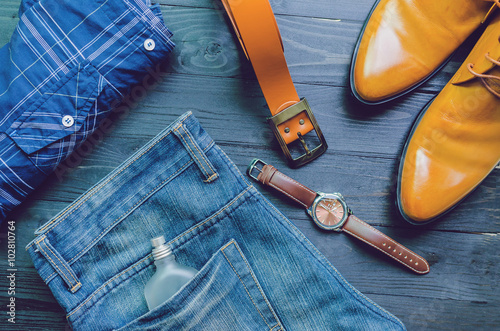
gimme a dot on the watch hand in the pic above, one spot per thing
(335, 208)
(324, 206)
(329, 209)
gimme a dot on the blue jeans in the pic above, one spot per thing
(257, 271)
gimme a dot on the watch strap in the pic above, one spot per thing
(373, 237)
(353, 226)
(270, 176)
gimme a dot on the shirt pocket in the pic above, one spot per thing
(58, 120)
(224, 295)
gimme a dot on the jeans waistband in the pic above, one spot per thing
(75, 230)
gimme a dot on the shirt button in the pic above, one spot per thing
(68, 121)
(149, 44)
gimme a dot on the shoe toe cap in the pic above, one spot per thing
(427, 191)
(384, 68)
(430, 185)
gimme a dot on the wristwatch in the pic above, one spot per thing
(330, 212)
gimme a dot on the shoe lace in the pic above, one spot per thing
(484, 77)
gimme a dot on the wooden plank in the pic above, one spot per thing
(240, 105)
(369, 194)
(210, 76)
(456, 294)
(38, 315)
(318, 51)
(463, 266)
(435, 314)
(8, 19)
(361, 161)
(464, 271)
(339, 9)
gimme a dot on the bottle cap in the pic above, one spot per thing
(158, 241)
(160, 249)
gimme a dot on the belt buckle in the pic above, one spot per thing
(287, 114)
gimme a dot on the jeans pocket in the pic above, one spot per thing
(223, 295)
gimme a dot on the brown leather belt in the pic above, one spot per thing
(292, 118)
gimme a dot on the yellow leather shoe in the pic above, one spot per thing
(403, 42)
(455, 143)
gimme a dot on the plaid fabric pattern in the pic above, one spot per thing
(67, 63)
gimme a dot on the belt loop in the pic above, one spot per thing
(196, 153)
(59, 264)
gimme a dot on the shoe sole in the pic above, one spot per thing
(400, 172)
(410, 89)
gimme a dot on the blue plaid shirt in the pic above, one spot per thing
(65, 68)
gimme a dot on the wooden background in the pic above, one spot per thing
(209, 75)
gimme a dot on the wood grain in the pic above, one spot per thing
(8, 19)
(341, 9)
(318, 50)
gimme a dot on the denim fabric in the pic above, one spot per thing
(257, 271)
(65, 69)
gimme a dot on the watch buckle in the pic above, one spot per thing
(310, 154)
(253, 166)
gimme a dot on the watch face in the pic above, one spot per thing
(329, 212)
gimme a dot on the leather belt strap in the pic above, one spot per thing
(355, 227)
(292, 118)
